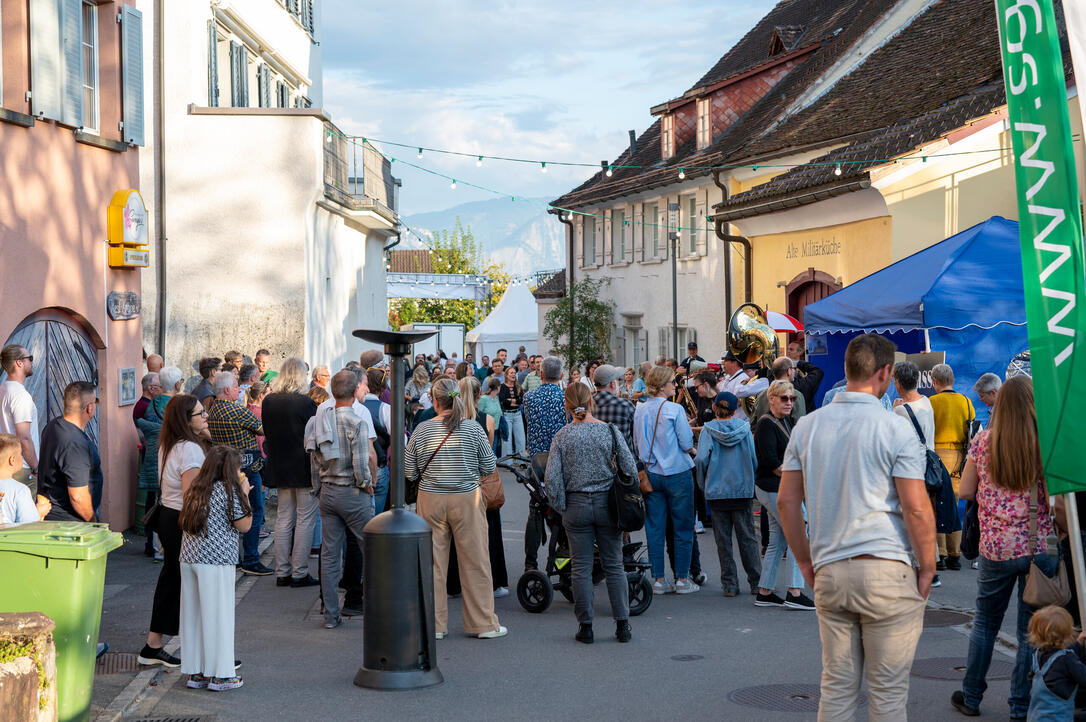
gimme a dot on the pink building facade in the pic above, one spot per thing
(71, 107)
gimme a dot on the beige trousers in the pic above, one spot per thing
(870, 616)
(950, 544)
(461, 519)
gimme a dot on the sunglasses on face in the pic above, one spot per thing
(789, 399)
(28, 357)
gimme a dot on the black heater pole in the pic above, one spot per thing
(399, 650)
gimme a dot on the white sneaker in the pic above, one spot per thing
(440, 635)
(501, 592)
(685, 586)
(494, 634)
(662, 587)
(699, 528)
(975, 564)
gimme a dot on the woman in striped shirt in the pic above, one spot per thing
(451, 452)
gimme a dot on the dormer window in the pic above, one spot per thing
(705, 126)
(667, 136)
(785, 38)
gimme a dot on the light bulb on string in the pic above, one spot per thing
(479, 162)
(453, 185)
(837, 170)
(682, 174)
(610, 172)
(420, 153)
(543, 167)
(328, 138)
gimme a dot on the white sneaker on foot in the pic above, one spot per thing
(699, 528)
(494, 633)
(501, 592)
(662, 587)
(685, 586)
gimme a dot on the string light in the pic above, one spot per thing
(682, 175)
(609, 172)
(543, 166)
(420, 153)
(453, 184)
(837, 170)
(479, 162)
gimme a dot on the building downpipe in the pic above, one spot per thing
(728, 239)
(571, 260)
(160, 185)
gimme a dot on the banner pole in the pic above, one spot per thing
(1077, 564)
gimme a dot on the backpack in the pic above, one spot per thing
(383, 441)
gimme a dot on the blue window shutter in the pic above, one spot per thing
(212, 65)
(45, 69)
(237, 74)
(71, 62)
(132, 74)
(307, 16)
(282, 95)
(264, 82)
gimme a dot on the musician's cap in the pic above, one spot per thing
(730, 357)
(607, 373)
(692, 344)
(725, 398)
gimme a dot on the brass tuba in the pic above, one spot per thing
(751, 339)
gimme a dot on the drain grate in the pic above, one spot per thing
(953, 668)
(782, 697)
(944, 618)
(117, 663)
(687, 657)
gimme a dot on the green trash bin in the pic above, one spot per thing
(58, 568)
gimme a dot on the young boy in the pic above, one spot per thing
(1057, 668)
(16, 504)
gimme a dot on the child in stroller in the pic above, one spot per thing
(535, 588)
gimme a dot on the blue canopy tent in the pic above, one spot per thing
(962, 296)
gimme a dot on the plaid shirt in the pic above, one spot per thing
(232, 425)
(352, 467)
(610, 409)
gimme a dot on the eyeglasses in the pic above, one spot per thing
(789, 399)
(201, 412)
(29, 357)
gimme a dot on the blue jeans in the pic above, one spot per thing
(380, 490)
(250, 540)
(777, 546)
(995, 585)
(673, 496)
(516, 432)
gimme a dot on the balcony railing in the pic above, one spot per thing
(356, 175)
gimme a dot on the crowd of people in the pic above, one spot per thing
(728, 446)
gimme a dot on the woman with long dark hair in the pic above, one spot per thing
(216, 508)
(511, 397)
(181, 443)
(1003, 474)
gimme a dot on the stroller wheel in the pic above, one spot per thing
(640, 595)
(534, 591)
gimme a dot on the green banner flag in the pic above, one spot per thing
(1050, 227)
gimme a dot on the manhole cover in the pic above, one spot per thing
(944, 618)
(117, 663)
(687, 657)
(954, 668)
(782, 697)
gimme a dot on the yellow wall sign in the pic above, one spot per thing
(126, 226)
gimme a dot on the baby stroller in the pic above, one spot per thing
(535, 588)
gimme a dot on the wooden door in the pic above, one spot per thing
(62, 354)
(806, 288)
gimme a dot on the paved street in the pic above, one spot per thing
(688, 655)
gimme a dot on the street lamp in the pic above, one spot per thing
(399, 650)
(673, 236)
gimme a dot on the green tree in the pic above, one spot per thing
(594, 319)
(452, 251)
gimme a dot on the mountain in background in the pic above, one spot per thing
(520, 234)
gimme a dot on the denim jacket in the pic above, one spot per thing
(726, 459)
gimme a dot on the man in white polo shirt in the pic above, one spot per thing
(861, 472)
(18, 414)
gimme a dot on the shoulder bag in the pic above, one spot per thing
(411, 490)
(1041, 589)
(625, 503)
(643, 478)
(936, 475)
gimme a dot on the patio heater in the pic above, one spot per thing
(399, 650)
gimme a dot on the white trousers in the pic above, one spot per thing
(207, 619)
(297, 515)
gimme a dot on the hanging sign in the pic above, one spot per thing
(126, 225)
(1050, 230)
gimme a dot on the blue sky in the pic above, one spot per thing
(554, 80)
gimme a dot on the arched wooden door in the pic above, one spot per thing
(806, 288)
(63, 353)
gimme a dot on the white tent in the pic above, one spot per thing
(513, 323)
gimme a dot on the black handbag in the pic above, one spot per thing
(626, 504)
(935, 474)
(970, 545)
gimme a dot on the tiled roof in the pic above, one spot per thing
(553, 287)
(822, 19)
(410, 262)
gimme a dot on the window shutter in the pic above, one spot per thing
(578, 243)
(628, 235)
(71, 62)
(263, 80)
(132, 73)
(45, 75)
(212, 66)
(282, 95)
(663, 340)
(637, 235)
(239, 76)
(703, 231)
(642, 345)
(307, 15)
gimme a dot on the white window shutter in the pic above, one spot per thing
(628, 235)
(45, 68)
(663, 340)
(71, 62)
(132, 73)
(212, 65)
(637, 234)
(703, 230)
(578, 242)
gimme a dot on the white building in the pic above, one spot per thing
(268, 224)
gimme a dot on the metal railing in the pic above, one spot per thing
(356, 175)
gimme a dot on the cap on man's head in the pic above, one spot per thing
(730, 357)
(726, 398)
(692, 344)
(607, 373)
